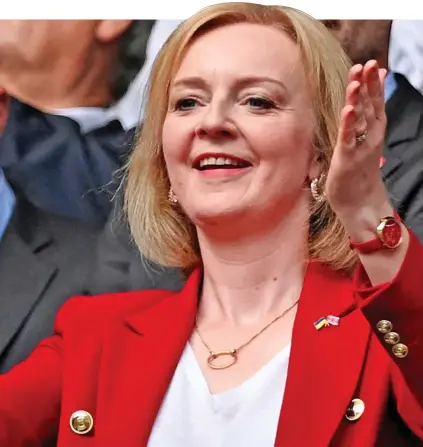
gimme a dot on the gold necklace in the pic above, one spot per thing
(233, 353)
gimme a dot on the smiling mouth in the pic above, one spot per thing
(213, 163)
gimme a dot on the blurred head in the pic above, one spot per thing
(258, 89)
(363, 40)
(72, 49)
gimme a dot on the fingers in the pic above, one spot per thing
(355, 73)
(357, 98)
(347, 132)
(364, 102)
(374, 79)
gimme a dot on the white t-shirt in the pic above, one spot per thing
(247, 416)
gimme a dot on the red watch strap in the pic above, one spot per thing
(367, 247)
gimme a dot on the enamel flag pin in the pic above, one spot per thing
(381, 162)
(332, 320)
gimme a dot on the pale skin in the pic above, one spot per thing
(252, 226)
(57, 64)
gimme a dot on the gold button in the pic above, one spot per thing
(384, 326)
(392, 338)
(81, 422)
(355, 410)
(400, 350)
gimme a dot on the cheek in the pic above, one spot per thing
(286, 151)
(285, 141)
(176, 140)
(176, 143)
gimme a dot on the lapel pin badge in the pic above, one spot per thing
(322, 322)
(332, 320)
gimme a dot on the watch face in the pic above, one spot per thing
(390, 232)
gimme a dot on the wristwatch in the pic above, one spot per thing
(388, 236)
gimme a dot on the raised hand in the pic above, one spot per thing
(354, 187)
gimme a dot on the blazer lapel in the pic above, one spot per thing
(325, 365)
(144, 360)
(19, 295)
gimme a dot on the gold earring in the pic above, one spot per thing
(315, 189)
(171, 196)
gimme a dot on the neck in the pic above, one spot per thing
(383, 59)
(60, 87)
(254, 276)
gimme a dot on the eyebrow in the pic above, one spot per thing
(198, 82)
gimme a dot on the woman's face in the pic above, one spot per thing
(237, 138)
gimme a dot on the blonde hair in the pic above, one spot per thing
(162, 232)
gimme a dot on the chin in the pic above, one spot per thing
(215, 215)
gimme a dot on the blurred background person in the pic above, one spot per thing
(64, 137)
(406, 51)
(121, 267)
(44, 260)
(402, 161)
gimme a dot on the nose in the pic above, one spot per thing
(216, 123)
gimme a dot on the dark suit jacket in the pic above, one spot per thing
(59, 169)
(403, 168)
(120, 266)
(114, 356)
(44, 260)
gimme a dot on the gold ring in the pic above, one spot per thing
(360, 138)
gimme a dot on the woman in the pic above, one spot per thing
(257, 172)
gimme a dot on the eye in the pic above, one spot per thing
(257, 103)
(186, 104)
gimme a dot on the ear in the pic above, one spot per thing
(109, 30)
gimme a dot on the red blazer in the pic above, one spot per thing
(114, 356)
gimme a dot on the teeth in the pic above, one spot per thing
(220, 161)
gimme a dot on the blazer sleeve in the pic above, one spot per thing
(30, 396)
(395, 313)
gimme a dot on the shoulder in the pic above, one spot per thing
(31, 220)
(64, 228)
(83, 311)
